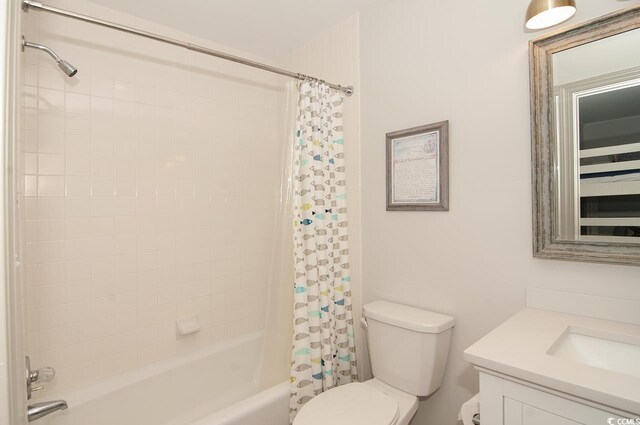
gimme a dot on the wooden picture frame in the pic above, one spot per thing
(418, 168)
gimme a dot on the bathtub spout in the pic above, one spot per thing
(38, 410)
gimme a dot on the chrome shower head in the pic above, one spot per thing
(65, 66)
(68, 69)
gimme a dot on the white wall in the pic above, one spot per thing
(334, 57)
(151, 182)
(466, 62)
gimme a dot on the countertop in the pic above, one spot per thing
(519, 346)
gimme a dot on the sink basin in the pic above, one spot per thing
(598, 348)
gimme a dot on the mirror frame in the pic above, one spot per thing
(543, 141)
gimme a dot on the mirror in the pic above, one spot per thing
(585, 88)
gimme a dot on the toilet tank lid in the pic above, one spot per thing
(406, 317)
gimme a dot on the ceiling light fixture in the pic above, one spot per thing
(547, 13)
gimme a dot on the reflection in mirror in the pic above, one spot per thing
(596, 109)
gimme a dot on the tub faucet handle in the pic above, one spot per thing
(39, 377)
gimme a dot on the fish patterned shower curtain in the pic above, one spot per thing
(323, 353)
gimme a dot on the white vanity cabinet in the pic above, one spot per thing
(543, 367)
(511, 402)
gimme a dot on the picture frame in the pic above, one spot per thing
(418, 168)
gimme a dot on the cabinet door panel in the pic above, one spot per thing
(534, 416)
(512, 412)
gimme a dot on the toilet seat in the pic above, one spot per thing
(351, 404)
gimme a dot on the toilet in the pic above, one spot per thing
(408, 348)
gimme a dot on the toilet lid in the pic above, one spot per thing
(351, 404)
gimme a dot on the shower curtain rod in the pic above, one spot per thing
(27, 4)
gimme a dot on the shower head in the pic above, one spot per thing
(65, 66)
(68, 69)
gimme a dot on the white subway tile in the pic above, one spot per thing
(51, 186)
(78, 103)
(78, 186)
(50, 78)
(102, 187)
(50, 142)
(51, 99)
(30, 186)
(51, 164)
(52, 295)
(77, 165)
(127, 360)
(102, 87)
(125, 91)
(53, 316)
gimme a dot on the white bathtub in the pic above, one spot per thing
(215, 386)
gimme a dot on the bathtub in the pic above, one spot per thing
(217, 385)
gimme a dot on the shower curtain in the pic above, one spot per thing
(276, 347)
(323, 353)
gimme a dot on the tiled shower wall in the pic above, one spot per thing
(151, 183)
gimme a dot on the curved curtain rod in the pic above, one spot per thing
(30, 4)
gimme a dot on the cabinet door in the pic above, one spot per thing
(534, 416)
(512, 412)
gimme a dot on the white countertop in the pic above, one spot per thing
(518, 348)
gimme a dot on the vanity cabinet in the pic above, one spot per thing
(504, 401)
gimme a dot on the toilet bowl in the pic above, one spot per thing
(408, 349)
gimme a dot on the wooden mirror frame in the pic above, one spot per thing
(543, 141)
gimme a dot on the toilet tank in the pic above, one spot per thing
(408, 347)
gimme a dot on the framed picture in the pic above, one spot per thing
(418, 168)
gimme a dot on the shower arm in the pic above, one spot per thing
(37, 46)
